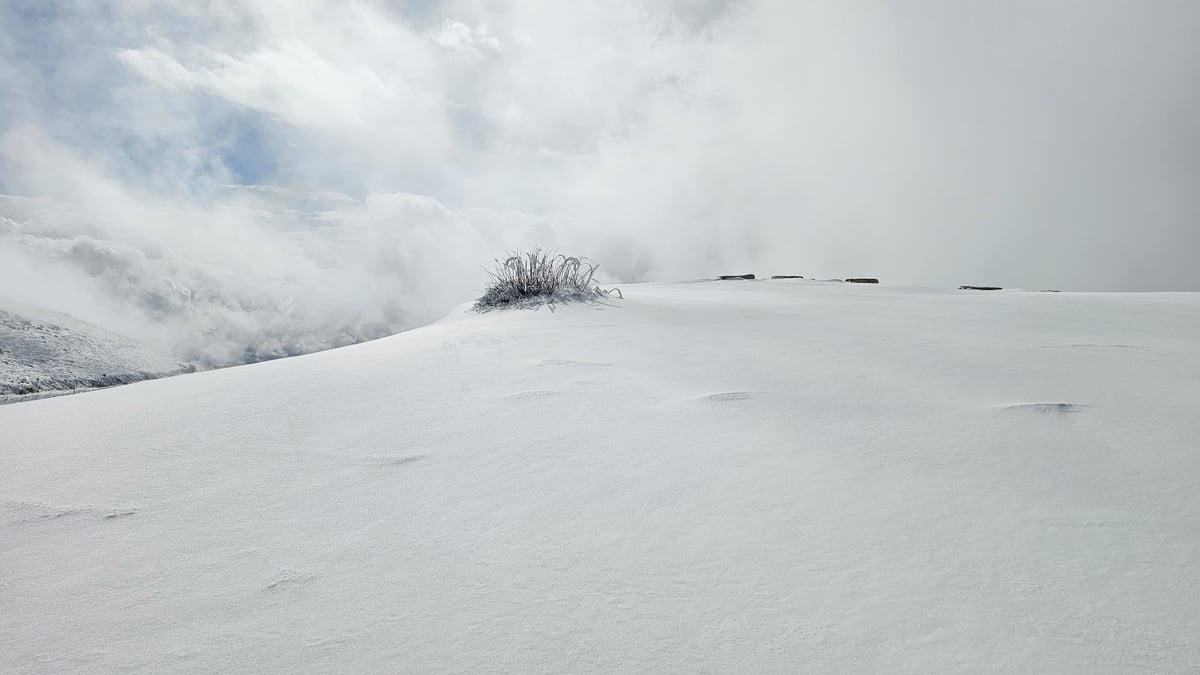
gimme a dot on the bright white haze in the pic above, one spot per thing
(398, 146)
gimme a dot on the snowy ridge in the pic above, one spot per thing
(44, 353)
(768, 476)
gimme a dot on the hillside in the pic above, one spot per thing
(44, 353)
(768, 476)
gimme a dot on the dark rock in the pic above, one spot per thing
(786, 276)
(861, 280)
(980, 288)
(730, 277)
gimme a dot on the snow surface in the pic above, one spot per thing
(770, 476)
(45, 353)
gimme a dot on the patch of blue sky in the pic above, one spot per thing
(247, 147)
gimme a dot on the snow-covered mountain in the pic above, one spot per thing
(44, 353)
(760, 476)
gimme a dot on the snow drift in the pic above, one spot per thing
(756, 476)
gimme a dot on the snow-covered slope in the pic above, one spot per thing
(44, 353)
(771, 476)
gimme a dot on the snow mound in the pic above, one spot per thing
(1043, 408)
(44, 353)
(749, 477)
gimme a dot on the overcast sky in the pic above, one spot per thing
(1027, 143)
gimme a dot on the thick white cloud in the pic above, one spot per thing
(1026, 143)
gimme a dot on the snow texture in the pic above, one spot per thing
(45, 353)
(755, 477)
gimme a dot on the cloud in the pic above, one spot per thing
(1038, 144)
(477, 42)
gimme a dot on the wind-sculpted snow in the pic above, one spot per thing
(751, 477)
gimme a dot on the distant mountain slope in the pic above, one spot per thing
(44, 353)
